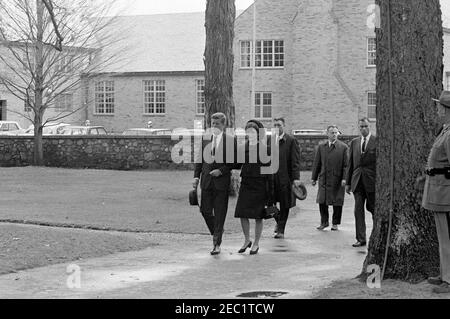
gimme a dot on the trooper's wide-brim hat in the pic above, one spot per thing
(193, 198)
(299, 191)
(444, 99)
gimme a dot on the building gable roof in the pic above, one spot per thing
(159, 43)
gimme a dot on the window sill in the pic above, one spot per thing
(371, 66)
(154, 115)
(103, 114)
(266, 68)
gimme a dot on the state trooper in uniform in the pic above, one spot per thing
(436, 196)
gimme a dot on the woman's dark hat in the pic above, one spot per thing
(444, 99)
(193, 198)
(299, 191)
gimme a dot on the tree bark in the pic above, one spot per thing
(416, 66)
(219, 59)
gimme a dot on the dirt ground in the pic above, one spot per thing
(390, 289)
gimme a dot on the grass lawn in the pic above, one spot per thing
(23, 247)
(149, 201)
(132, 202)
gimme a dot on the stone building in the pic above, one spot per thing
(317, 68)
(17, 69)
(158, 75)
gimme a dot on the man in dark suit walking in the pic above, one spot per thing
(214, 172)
(361, 177)
(288, 173)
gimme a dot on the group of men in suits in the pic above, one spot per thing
(338, 168)
(213, 173)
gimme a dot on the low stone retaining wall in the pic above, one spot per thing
(118, 152)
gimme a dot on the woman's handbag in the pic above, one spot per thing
(271, 212)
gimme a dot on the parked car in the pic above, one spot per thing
(309, 132)
(147, 131)
(10, 128)
(83, 130)
(183, 132)
(50, 128)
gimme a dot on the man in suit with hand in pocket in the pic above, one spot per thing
(361, 177)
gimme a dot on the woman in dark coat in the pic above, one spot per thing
(256, 188)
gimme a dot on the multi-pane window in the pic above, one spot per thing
(63, 102)
(263, 105)
(64, 64)
(447, 81)
(246, 54)
(200, 84)
(371, 51)
(268, 54)
(104, 97)
(28, 103)
(155, 97)
(371, 105)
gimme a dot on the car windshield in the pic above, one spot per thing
(74, 131)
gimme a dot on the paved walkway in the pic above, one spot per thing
(181, 266)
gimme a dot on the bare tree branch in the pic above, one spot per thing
(49, 5)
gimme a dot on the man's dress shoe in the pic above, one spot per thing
(359, 244)
(323, 226)
(279, 236)
(215, 251)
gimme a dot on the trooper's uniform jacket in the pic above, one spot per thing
(436, 196)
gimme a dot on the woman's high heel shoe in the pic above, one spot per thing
(242, 250)
(254, 252)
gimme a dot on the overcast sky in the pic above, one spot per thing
(135, 7)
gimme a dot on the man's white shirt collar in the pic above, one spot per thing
(367, 140)
(218, 138)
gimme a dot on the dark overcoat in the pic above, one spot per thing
(256, 190)
(288, 171)
(329, 168)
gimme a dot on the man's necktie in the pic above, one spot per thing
(214, 145)
(364, 146)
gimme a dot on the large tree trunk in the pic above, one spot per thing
(219, 59)
(407, 130)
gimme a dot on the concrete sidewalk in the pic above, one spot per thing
(180, 266)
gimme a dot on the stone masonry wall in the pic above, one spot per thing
(117, 152)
